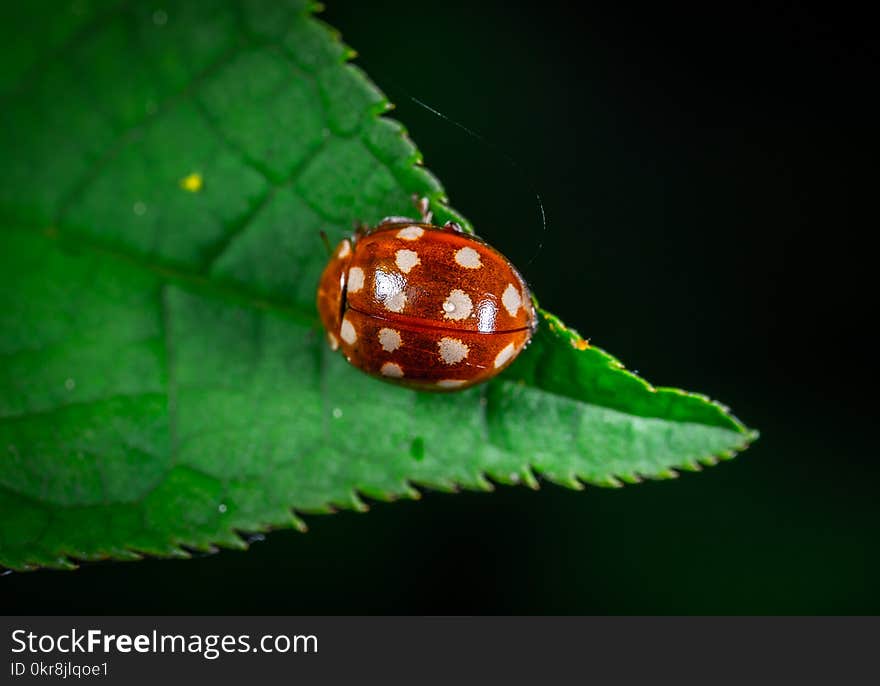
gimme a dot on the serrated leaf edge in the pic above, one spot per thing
(483, 481)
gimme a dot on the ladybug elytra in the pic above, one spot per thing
(424, 306)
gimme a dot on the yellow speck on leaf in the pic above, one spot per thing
(192, 183)
(579, 344)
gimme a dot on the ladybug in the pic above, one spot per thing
(424, 306)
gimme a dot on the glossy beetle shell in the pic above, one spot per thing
(424, 306)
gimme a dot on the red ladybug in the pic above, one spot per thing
(424, 306)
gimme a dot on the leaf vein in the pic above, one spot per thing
(119, 144)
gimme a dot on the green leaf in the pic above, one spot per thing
(164, 382)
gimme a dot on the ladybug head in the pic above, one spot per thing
(331, 291)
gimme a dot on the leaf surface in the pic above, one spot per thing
(164, 383)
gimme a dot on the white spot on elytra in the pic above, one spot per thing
(503, 356)
(337, 413)
(389, 340)
(457, 305)
(411, 233)
(468, 258)
(334, 342)
(450, 383)
(355, 279)
(344, 249)
(452, 350)
(347, 332)
(406, 260)
(396, 302)
(391, 369)
(511, 299)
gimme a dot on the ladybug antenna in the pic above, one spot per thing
(326, 242)
(507, 158)
(473, 134)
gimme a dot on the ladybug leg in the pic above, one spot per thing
(326, 242)
(422, 208)
(360, 230)
(453, 226)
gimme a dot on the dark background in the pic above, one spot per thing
(708, 176)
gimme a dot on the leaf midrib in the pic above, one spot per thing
(233, 293)
(175, 273)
